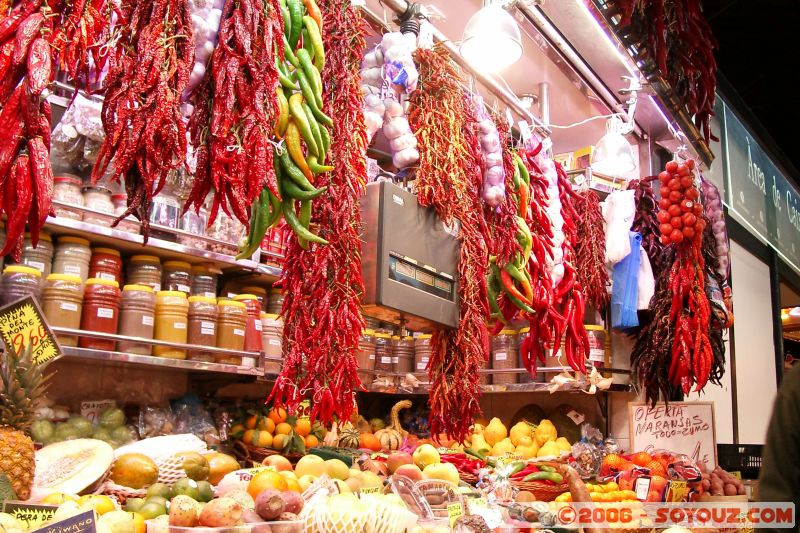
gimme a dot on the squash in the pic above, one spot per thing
(392, 436)
(350, 437)
(370, 442)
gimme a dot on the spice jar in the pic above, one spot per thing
(422, 354)
(145, 270)
(106, 263)
(272, 339)
(98, 200)
(194, 223)
(20, 281)
(137, 318)
(204, 280)
(598, 346)
(403, 354)
(504, 356)
(177, 276)
(62, 301)
(41, 257)
(172, 317)
(366, 355)
(260, 294)
(67, 189)
(100, 312)
(72, 256)
(166, 210)
(252, 330)
(202, 326)
(231, 321)
(127, 224)
(275, 302)
(383, 352)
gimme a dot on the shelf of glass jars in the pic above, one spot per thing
(164, 363)
(133, 243)
(399, 383)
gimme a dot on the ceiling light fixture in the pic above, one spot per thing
(613, 155)
(492, 40)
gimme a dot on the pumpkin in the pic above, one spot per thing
(392, 436)
(370, 442)
(350, 438)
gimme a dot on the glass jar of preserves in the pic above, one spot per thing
(106, 263)
(275, 302)
(202, 326)
(204, 280)
(137, 318)
(67, 190)
(422, 354)
(259, 292)
(128, 224)
(172, 320)
(41, 257)
(72, 256)
(177, 276)
(166, 211)
(403, 354)
(504, 356)
(366, 355)
(272, 339)
(383, 352)
(98, 200)
(62, 302)
(145, 270)
(252, 330)
(20, 281)
(100, 312)
(231, 322)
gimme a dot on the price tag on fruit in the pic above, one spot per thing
(92, 410)
(31, 515)
(454, 512)
(22, 323)
(304, 410)
(80, 523)
(676, 492)
(371, 490)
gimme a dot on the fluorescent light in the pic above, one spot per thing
(492, 39)
(608, 39)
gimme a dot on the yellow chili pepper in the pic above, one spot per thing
(299, 116)
(283, 117)
(315, 35)
(295, 152)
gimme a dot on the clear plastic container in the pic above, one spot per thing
(422, 354)
(383, 352)
(172, 323)
(67, 189)
(504, 356)
(145, 270)
(272, 339)
(252, 330)
(177, 276)
(205, 279)
(41, 257)
(231, 323)
(98, 200)
(20, 281)
(202, 326)
(137, 318)
(366, 355)
(194, 223)
(106, 263)
(165, 211)
(62, 302)
(72, 256)
(128, 224)
(403, 354)
(101, 299)
(275, 303)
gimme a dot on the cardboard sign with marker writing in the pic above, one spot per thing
(29, 514)
(681, 427)
(80, 523)
(21, 323)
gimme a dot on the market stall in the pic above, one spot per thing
(313, 266)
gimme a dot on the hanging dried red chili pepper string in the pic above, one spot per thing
(590, 250)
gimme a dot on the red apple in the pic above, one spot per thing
(410, 471)
(279, 462)
(398, 459)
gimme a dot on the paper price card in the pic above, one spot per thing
(23, 323)
(371, 490)
(92, 410)
(304, 410)
(476, 503)
(79, 523)
(31, 515)
(454, 511)
(676, 492)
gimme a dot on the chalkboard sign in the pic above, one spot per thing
(85, 522)
(31, 515)
(681, 427)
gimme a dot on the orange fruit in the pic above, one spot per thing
(312, 441)
(267, 425)
(292, 484)
(277, 415)
(656, 468)
(264, 480)
(641, 458)
(252, 422)
(653, 496)
(279, 441)
(302, 427)
(283, 428)
(259, 438)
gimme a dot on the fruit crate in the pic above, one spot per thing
(744, 458)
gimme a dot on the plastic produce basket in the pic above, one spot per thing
(744, 458)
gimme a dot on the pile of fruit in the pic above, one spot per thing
(276, 430)
(524, 439)
(718, 482)
(109, 427)
(599, 492)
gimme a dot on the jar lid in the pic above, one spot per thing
(231, 303)
(276, 291)
(100, 281)
(109, 251)
(270, 316)
(594, 327)
(68, 178)
(424, 336)
(73, 240)
(369, 331)
(383, 336)
(134, 287)
(42, 236)
(176, 294)
(202, 299)
(395, 337)
(19, 269)
(177, 264)
(255, 290)
(244, 297)
(408, 338)
(206, 269)
(64, 277)
(525, 330)
(146, 258)
(508, 332)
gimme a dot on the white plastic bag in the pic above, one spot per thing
(647, 283)
(618, 211)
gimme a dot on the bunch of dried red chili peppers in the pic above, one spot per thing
(590, 253)
(323, 285)
(449, 180)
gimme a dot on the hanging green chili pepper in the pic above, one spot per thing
(525, 238)
(292, 190)
(294, 173)
(305, 219)
(492, 291)
(287, 19)
(296, 15)
(308, 94)
(315, 167)
(523, 171)
(307, 43)
(315, 36)
(299, 116)
(312, 122)
(258, 225)
(299, 229)
(516, 178)
(295, 151)
(288, 53)
(510, 289)
(326, 141)
(284, 77)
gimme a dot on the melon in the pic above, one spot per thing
(71, 467)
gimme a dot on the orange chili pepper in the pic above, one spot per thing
(524, 194)
(314, 12)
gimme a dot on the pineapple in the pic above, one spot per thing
(22, 387)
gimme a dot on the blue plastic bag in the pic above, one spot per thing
(625, 288)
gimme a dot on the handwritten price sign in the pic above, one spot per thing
(22, 323)
(304, 410)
